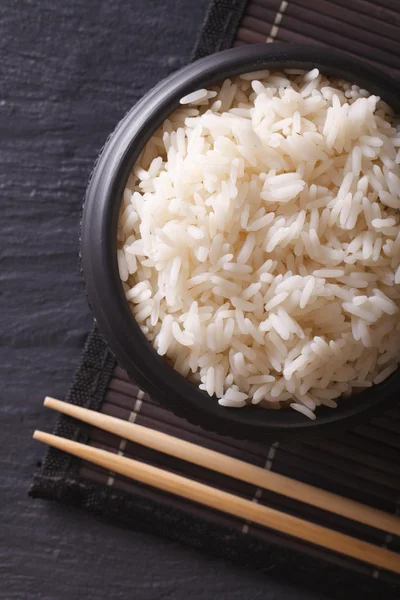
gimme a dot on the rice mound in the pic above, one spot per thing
(259, 240)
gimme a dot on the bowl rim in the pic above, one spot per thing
(99, 243)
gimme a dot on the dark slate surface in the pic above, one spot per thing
(68, 72)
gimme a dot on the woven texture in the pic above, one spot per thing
(363, 465)
(360, 27)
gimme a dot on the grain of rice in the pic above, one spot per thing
(243, 304)
(281, 328)
(328, 273)
(385, 374)
(183, 338)
(194, 97)
(276, 300)
(307, 291)
(303, 409)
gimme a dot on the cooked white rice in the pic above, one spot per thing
(259, 240)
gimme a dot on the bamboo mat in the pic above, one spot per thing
(363, 464)
(369, 30)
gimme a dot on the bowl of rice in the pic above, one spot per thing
(240, 241)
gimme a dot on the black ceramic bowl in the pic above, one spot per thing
(99, 245)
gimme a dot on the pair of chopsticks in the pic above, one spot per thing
(227, 502)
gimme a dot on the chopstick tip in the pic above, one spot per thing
(42, 436)
(49, 402)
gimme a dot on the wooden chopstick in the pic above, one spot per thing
(232, 467)
(228, 503)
